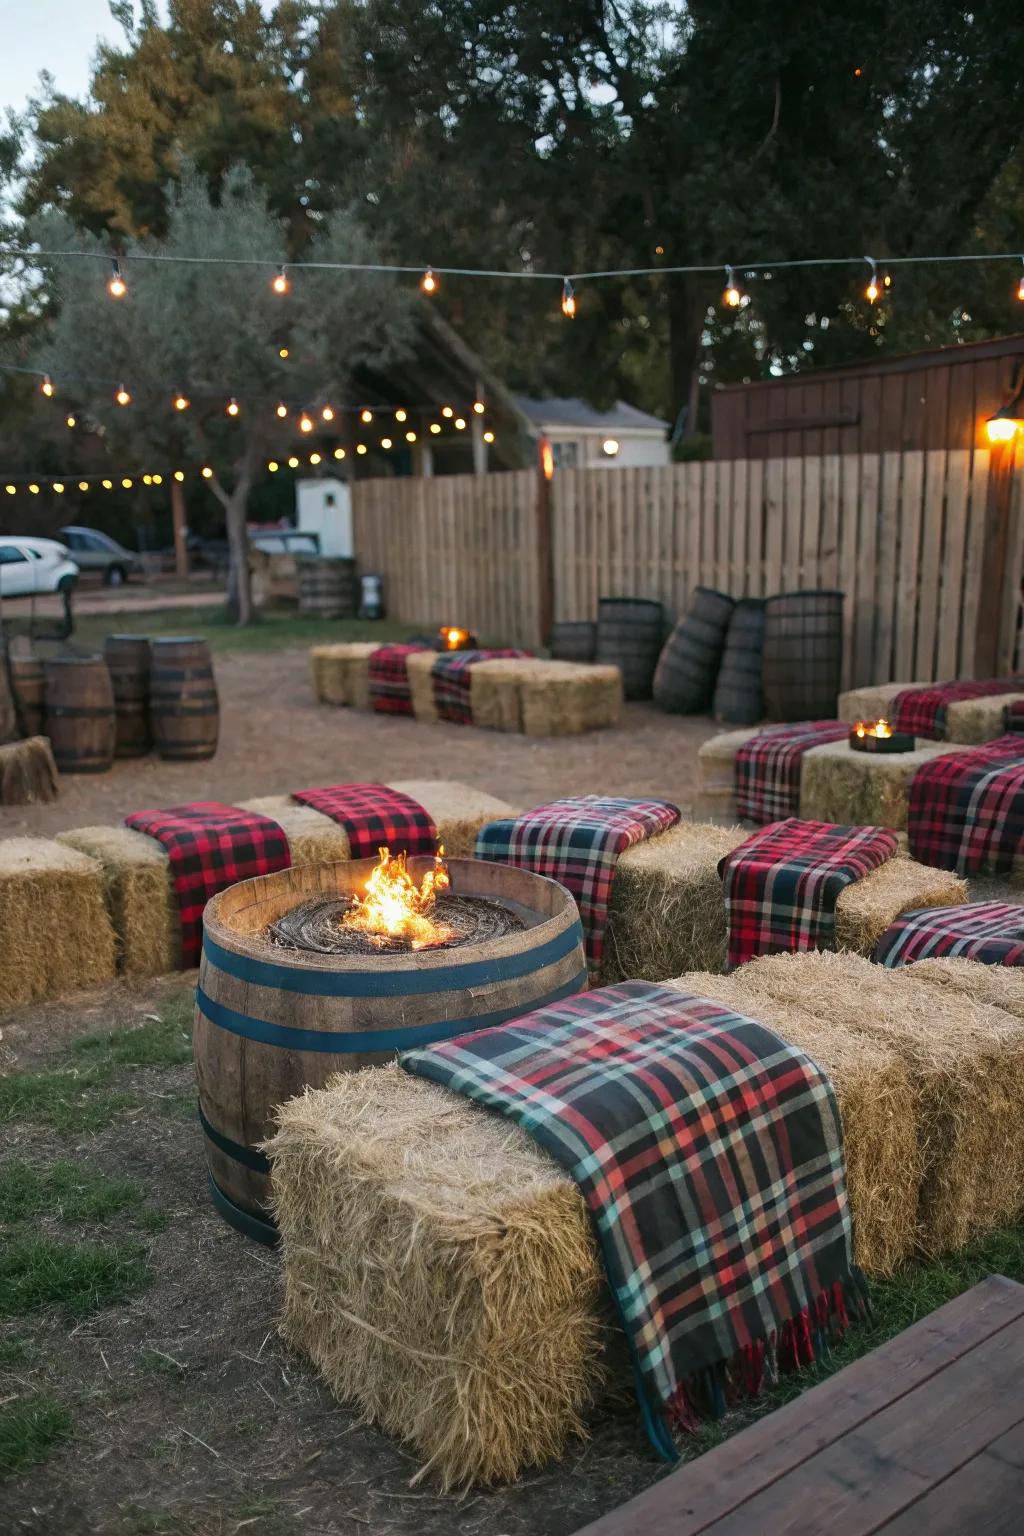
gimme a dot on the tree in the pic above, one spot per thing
(215, 333)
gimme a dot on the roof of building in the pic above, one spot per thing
(577, 413)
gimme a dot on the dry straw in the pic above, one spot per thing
(440, 1271)
(458, 811)
(868, 907)
(313, 838)
(28, 773)
(966, 1067)
(568, 698)
(139, 894)
(973, 721)
(998, 986)
(716, 767)
(495, 690)
(860, 788)
(872, 1087)
(872, 703)
(53, 917)
(419, 666)
(340, 673)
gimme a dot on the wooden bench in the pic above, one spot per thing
(922, 1437)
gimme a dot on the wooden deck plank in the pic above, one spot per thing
(951, 1507)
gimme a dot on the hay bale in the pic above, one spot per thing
(54, 921)
(971, 722)
(859, 788)
(716, 766)
(868, 907)
(966, 1066)
(666, 913)
(341, 673)
(495, 691)
(997, 986)
(872, 1087)
(872, 703)
(458, 810)
(420, 667)
(28, 773)
(568, 698)
(312, 837)
(139, 895)
(440, 1273)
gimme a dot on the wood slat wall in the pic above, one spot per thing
(902, 534)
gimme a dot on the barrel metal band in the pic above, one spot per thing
(259, 1229)
(81, 711)
(370, 1042)
(370, 983)
(249, 1157)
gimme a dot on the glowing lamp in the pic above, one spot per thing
(568, 300)
(731, 297)
(58, 486)
(410, 437)
(158, 479)
(610, 446)
(69, 421)
(488, 437)
(327, 413)
(280, 283)
(435, 427)
(547, 460)
(48, 387)
(401, 415)
(339, 453)
(366, 415)
(293, 462)
(1000, 428)
(206, 472)
(273, 466)
(108, 485)
(460, 424)
(83, 485)
(116, 285)
(478, 407)
(123, 397)
(360, 448)
(34, 489)
(305, 422)
(232, 408)
(429, 282)
(385, 442)
(314, 458)
(126, 483)
(179, 475)
(447, 412)
(181, 402)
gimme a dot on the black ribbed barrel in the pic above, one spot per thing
(572, 641)
(803, 655)
(328, 588)
(128, 657)
(629, 631)
(684, 682)
(739, 696)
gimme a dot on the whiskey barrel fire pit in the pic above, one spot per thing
(286, 999)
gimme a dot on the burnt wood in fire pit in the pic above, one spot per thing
(318, 925)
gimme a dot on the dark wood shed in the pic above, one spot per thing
(934, 399)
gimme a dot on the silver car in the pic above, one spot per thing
(95, 551)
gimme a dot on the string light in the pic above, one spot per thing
(731, 297)
(282, 409)
(366, 415)
(314, 458)
(410, 437)
(123, 397)
(305, 422)
(158, 479)
(282, 352)
(385, 442)
(181, 402)
(58, 486)
(568, 300)
(116, 285)
(488, 437)
(460, 423)
(12, 490)
(478, 407)
(401, 415)
(428, 282)
(360, 447)
(273, 466)
(34, 489)
(339, 453)
(69, 421)
(280, 282)
(179, 475)
(147, 479)
(233, 408)
(83, 485)
(126, 483)
(872, 290)
(293, 462)
(1020, 287)
(328, 413)
(206, 472)
(435, 427)
(48, 387)
(108, 485)
(447, 412)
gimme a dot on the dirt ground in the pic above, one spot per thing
(275, 738)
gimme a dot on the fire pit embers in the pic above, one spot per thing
(878, 736)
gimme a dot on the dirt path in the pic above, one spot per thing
(275, 738)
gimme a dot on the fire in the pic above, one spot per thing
(395, 907)
(880, 728)
(453, 637)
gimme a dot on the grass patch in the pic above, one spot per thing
(156, 1364)
(274, 630)
(69, 1101)
(164, 1041)
(66, 1190)
(36, 1272)
(14, 1351)
(29, 1430)
(154, 1221)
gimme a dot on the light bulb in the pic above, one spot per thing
(314, 458)
(385, 442)
(488, 437)
(282, 351)
(232, 407)
(158, 479)
(123, 397)
(147, 479)
(435, 427)
(48, 387)
(1020, 290)
(410, 437)
(305, 422)
(328, 413)
(11, 490)
(116, 285)
(447, 411)
(282, 409)
(293, 462)
(34, 489)
(58, 486)
(206, 472)
(872, 290)
(732, 297)
(273, 466)
(339, 453)
(127, 484)
(83, 485)
(429, 282)
(69, 421)
(478, 407)
(568, 300)
(181, 402)
(366, 415)
(360, 447)
(108, 485)
(460, 424)
(280, 283)
(179, 475)
(401, 415)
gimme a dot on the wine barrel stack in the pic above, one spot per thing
(128, 657)
(328, 587)
(803, 655)
(739, 694)
(184, 710)
(80, 717)
(629, 636)
(684, 682)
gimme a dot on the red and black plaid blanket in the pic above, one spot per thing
(450, 676)
(767, 767)
(989, 931)
(374, 817)
(577, 841)
(782, 884)
(966, 809)
(211, 846)
(922, 711)
(389, 679)
(1015, 715)
(709, 1154)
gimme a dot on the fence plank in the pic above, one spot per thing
(775, 505)
(810, 536)
(831, 488)
(866, 566)
(907, 573)
(933, 524)
(848, 531)
(888, 556)
(951, 594)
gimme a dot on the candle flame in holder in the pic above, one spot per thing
(880, 728)
(453, 637)
(395, 907)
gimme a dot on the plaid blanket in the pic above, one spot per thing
(211, 846)
(577, 842)
(709, 1154)
(450, 676)
(989, 931)
(389, 679)
(922, 711)
(782, 884)
(767, 767)
(374, 817)
(966, 809)
(1015, 715)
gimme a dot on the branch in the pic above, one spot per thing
(773, 130)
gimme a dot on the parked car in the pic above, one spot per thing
(34, 565)
(96, 551)
(285, 541)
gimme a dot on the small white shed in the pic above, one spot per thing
(324, 507)
(584, 438)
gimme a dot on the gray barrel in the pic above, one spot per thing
(739, 696)
(128, 657)
(684, 682)
(803, 655)
(328, 588)
(571, 641)
(80, 719)
(629, 632)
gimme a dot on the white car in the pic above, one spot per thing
(34, 565)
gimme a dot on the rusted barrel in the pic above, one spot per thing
(184, 712)
(80, 718)
(128, 657)
(29, 693)
(271, 1021)
(327, 587)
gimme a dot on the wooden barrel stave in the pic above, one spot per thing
(572, 641)
(184, 710)
(803, 654)
(80, 718)
(739, 695)
(128, 657)
(629, 636)
(400, 1003)
(684, 680)
(29, 692)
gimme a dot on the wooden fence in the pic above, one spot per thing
(928, 547)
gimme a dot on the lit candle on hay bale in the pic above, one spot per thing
(878, 736)
(452, 638)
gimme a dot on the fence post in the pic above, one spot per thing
(545, 546)
(993, 560)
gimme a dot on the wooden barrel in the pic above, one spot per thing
(29, 693)
(739, 696)
(184, 713)
(629, 635)
(271, 1021)
(128, 657)
(80, 718)
(571, 641)
(803, 655)
(684, 682)
(328, 587)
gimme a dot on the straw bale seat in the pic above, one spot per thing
(53, 917)
(341, 673)
(420, 667)
(998, 986)
(861, 788)
(545, 698)
(970, 722)
(716, 765)
(872, 703)
(28, 773)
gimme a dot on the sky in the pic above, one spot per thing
(57, 35)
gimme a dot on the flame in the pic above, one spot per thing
(395, 907)
(879, 728)
(453, 637)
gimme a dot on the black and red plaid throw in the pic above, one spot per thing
(922, 711)
(710, 1157)
(767, 767)
(1015, 715)
(966, 809)
(211, 846)
(451, 680)
(577, 841)
(989, 931)
(374, 817)
(782, 884)
(390, 693)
